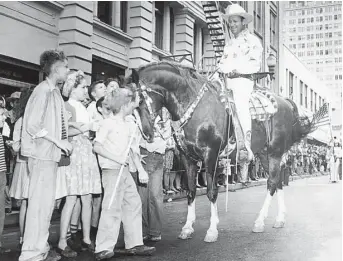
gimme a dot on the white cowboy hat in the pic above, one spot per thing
(237, 10)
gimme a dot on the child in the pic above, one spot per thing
(111, 143)
(20, 183)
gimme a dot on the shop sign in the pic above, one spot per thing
(18, 73)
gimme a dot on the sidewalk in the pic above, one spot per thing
(237, 186)
(12, 219)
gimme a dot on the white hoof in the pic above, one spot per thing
(186, 233)
(279, 224)
(211, 236)
(258, 228)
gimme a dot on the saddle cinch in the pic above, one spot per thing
(262, 104)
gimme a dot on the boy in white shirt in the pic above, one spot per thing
(111, 143)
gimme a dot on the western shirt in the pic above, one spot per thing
(243, 54)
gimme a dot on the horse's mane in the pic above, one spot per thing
(182, 75)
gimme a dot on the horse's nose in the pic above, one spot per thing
(150, 138)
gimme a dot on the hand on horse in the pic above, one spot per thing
(143, 176)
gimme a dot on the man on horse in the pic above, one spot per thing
(242, 56)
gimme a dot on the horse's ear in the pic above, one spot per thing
(135, 76)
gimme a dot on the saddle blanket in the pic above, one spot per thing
(262, 105)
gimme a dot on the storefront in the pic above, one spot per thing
(102, 69)
(16, 75)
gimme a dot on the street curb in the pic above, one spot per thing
(12, 219)
(232, 187)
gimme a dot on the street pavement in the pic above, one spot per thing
(313, 230)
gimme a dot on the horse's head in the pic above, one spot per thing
(151, 103)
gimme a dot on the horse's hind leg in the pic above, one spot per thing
(191, 169)
(280, 219)
(272, 184)
(212, 194)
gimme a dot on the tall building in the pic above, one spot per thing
(104, 38)
(313, 32)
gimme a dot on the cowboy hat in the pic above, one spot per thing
(237, 10)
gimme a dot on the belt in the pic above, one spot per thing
(154, 152)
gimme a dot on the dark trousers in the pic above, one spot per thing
(152, 194)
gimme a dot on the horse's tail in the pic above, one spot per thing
(301, 125)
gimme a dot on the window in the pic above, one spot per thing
(159, 9)
(291, 77)
(123, 16)
(104, 11)
(311, 103)
(258, 16)
(320, 101)
(273, 26)
(301, 92)
(306, 91)
(243, 4)
(315, 101)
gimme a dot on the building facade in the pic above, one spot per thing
(305, 89)
(313, 32)
(105, 38)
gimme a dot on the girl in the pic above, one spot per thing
(82, 177)
(20, 183)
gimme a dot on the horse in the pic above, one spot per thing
(178, 88)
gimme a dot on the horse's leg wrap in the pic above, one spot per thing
(187, 229)
(212, 232)
(280, 219)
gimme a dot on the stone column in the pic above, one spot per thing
(75, 35)
(198, 44)
(140, 28)
(166, 27)
(95, 8)
(115, 14)
(184, 26)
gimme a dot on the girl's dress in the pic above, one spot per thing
(82, 176)
(20, 183)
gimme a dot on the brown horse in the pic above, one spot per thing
(179, 88)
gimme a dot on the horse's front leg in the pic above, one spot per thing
(212, 232)
(187, 229)
(212, 194)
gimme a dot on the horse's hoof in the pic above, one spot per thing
(186, 233)
(279, 224)
(258, 228)
(211, 236)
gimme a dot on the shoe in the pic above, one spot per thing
(52, 256)
(104, 255)
(3, 250)
(141, 251)
(67, 252)
(155, 238)
(8, 210)
(74, 244)
(136, 251)
(87, 247)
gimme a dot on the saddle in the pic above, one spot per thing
(262, 104)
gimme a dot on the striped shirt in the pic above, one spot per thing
(2, 155)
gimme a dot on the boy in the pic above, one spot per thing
(111, 145)
(96, 91)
